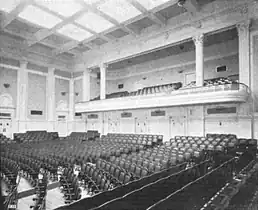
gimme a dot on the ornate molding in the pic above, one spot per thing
(6, 100)
(243, 26)
(198, 39)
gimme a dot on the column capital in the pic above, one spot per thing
(198, 39)
(51, 70)
(243, 26)
(23, 62)
(103, 65)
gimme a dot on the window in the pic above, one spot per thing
(120, 86)
(78, 114)
(221, 68)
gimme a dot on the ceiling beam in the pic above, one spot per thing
(44, 33)
(68, 46)
(158, 19)
(26, 35)
(94, 9)
(14, 13)
(72, 44)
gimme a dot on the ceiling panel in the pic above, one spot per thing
(18, 26)
(120, 10)
(141, 24)
(150, 4)
(66, 55)
(8, 5)
(65, 8)
(98, 41)
(92, 1)
(94, 22)
(81, 48)
(55, 39)
(203, 2)
(41, 49)
(172, 11)
(119, 33)
(74, 32)
(39, 17)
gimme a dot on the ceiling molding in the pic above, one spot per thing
(16, 52)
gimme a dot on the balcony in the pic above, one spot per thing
(226, 93)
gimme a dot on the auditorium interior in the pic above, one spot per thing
(129, 104)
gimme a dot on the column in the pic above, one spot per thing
(199, 59)
(86, 85)
(22, 96)
(244, 51)
(103, 68)
(71, 100)
(51, 105)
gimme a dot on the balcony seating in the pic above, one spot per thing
(213, 82)
(159, 89)
(168, 88)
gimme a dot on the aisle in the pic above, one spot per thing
(24, 185)
(25, 202)
(54, 199)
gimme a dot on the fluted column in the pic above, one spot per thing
(103, 69)
(244, 51)
(71, 100)
(51, 107)
(199, 59)
(22, 96)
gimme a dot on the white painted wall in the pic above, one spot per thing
(8, 76)
(36, 96)
(192, 121)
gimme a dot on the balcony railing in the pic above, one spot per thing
(235, 92)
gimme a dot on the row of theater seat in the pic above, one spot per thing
(4, 139)
(213, 82)
(135, 139)
(167, 88)
(159, 89)
(121, 161)
(31, 136)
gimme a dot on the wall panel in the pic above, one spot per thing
(9, 76)
(36, 96)
(61, 85)
(78, 90)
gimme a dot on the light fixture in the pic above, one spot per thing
(6, 85)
